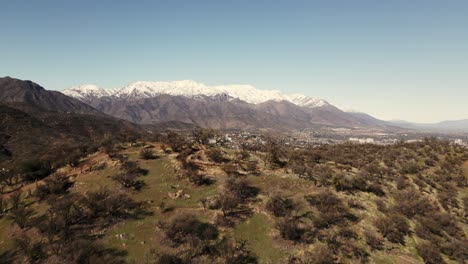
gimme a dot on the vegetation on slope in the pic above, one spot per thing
(181, 201)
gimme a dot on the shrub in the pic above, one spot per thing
(7, 178)
(241, 188)
(252, 167)
(216, 155)
(3, 206)
(169, 259)
(354, 203)
(15, 200)
(232, 170)
(32, 170)
(440, 222)
(227, 203)
(280, 206)
(106, 204)
(410, 167)
(234, 252)
(129, 180)
(33, 252)
(184, 227)
(456, 250)
(199, 179)
(394, 227)
(132, 168)
(331, 207)
(321, 173)
(290, 230)
(410, 203)
(54, 185)
(22, 216)
(429, 253)
(203, 136)
(176, 142)
(344, 182)
(448, 200)
(244, 154)
(319, 255)
(376, 189)
(351, 250)
(373, 239)
(274, 153)
(402, 183)
(381, 205)
(147, 154)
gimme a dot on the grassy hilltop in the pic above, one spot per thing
(175, 201)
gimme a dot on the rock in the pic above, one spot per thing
(179, 194)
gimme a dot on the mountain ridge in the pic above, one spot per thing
(190, 88)
(32, 94)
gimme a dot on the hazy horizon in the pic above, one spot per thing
(393, 60)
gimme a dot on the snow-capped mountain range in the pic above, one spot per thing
(219, 106)
(191, 89)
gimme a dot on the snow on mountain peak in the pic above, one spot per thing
(190, 88)
(88, 90)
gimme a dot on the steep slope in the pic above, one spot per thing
(38, 134)
(31, 94)
(221, 112)
(36, 124)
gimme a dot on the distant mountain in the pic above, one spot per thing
(224, 106)
(191, 89)
(461, 125)
(16, 91)
(444, 126)
(368, 119)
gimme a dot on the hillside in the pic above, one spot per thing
(49, 128)
(31, 94)
(191, 203)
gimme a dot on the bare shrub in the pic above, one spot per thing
(147, 154)
(241, 188)
(456, 250)
(280, 205)
(129, 180)
(216, 155)
(295, 230)
(184, 227)
(200, 179)
(394, 227)
(54, 185)
(332, 209)
(373, 239)
(429, 253)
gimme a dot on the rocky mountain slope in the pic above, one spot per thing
(222, 107)
(31, 94)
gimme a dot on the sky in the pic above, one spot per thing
(395, 59)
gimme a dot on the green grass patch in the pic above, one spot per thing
(140, 236)
(256, 231)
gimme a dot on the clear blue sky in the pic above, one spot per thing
(392, 59)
